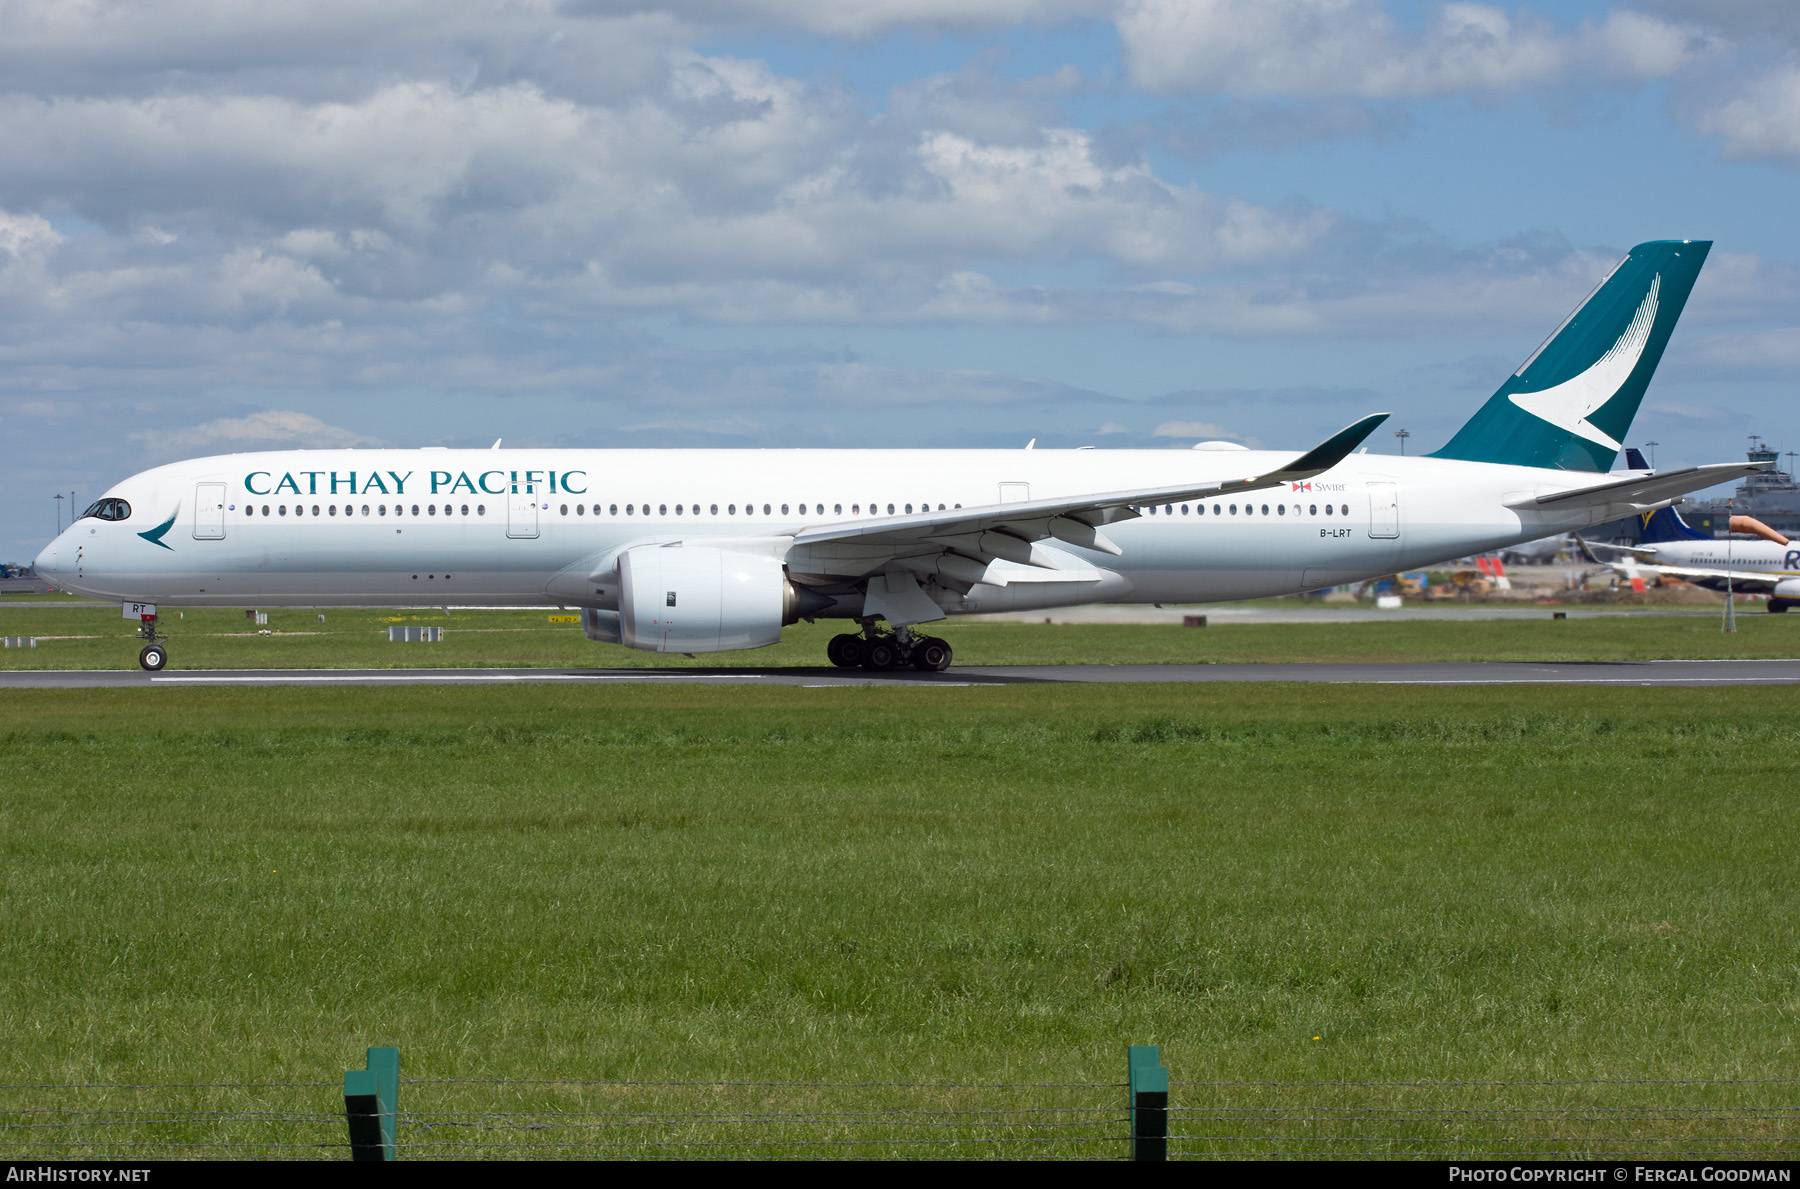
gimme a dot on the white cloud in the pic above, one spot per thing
(1759, 117)
(26, 235)
(1194, 429)
(281, 427)
(1355, 48)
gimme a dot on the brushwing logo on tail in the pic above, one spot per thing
(1569, 404)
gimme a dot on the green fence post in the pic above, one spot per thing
(1148, 1090)
(371, 1105)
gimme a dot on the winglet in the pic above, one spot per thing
(1331, 451)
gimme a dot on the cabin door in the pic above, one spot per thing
(209, 511)
(1384, 510)
(522, 514)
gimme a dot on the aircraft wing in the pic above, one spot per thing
(1643, 553)
(1645, 490)
(1741, 580)
(976, 536)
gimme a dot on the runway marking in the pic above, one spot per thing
(1564, 681)
(433, 678)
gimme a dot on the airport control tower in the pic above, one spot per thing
(1771, 496)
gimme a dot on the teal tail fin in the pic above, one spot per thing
(1573, 400)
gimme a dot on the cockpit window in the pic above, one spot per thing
(109, 510)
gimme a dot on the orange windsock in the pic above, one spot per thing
(1756, 528)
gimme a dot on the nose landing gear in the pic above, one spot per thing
(881, 652)
(154, 655)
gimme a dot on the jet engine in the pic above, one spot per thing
(687, 598)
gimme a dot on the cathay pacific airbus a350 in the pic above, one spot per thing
(695, 551)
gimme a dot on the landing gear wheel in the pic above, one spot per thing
(931, 655)
(153, 657)
(880, 654)
(845, 651)
(1778, 605)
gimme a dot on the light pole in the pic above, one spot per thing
(1403, 434)
(59, 513)
(1652, 448)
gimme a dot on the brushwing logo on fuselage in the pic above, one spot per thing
(155, 535)
(1568, 405)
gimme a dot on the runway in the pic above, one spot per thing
(1643, 673)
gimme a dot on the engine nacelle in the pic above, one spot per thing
(1787, 588)
(686, 598)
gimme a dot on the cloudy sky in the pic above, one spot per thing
(862, 222)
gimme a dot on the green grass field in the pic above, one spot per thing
(972, 885)
(88, 637)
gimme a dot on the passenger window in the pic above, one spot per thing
(481, 509)
(1327, 509)
(1313, 510)
(677, 509)
(715, 510)
(662, 509)
(1265, 509)
(1234, 509)
(909, 509)
(856, 509)
(731, 509)
(282, 510)
(1345, 509)
(837, 509)
(784, 510)
(1281, 509)
(890, 509)
(465, 509)
(315, 509)
(612, 509)
(431, 508)
(765, 509)
(333, 509)
(1184, 510)
(628, 509)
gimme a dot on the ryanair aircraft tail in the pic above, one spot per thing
(1569, 405)
(1665, 524)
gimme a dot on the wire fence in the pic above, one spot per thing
(470, 1118)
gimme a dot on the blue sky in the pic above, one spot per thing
(898, 222)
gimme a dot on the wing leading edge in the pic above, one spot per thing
(964, 541)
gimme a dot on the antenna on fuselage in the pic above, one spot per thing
(496, 444)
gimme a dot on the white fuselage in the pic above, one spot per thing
(492, 527)
(1737, 556)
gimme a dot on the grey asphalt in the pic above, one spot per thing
(1688, 673)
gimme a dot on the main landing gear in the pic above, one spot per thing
(883, 652)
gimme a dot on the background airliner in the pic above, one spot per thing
(709, 550)
(1761, 561)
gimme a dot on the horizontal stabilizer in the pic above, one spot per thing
(1644, 490)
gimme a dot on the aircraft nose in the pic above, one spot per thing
(50, 564)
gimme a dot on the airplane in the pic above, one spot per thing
(1670, 547)
(700, 551)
